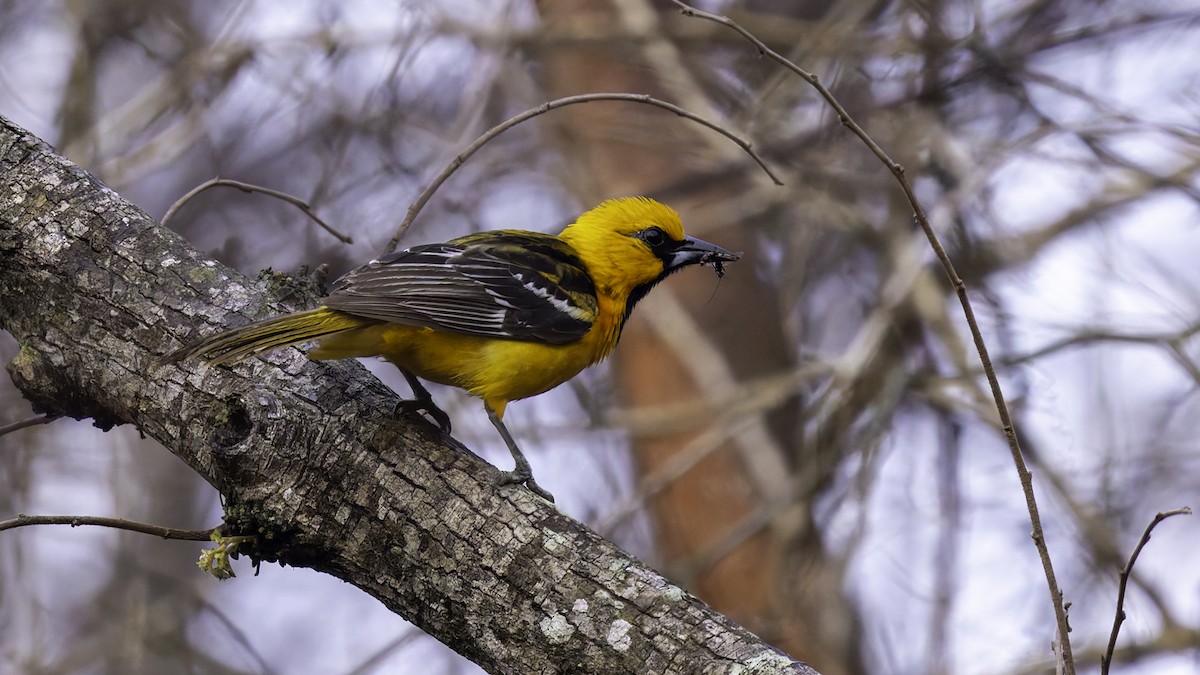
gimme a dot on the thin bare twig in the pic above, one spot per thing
(117, 523)
(1092, 336)
(31, 422)
(1106, 659)
(1026, 478)
(250, 188)
(546, 107)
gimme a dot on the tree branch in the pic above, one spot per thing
(546, 107)
(23, 424)
(23, 520)
(310, 455)
(1119, 618)
(249, 188)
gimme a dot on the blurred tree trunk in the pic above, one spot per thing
(725, 528)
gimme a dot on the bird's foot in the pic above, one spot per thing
(523, 476)
(426, 407)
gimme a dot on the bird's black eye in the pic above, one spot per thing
(653, 236)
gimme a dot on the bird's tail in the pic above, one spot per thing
(243, 342)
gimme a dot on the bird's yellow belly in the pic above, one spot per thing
(494, 369)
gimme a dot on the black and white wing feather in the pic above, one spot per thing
(507, 284)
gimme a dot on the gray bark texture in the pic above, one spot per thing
(310, 456)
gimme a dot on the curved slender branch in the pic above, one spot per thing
(960, 288)
(249, 188)
(546, 107)
(23, 520)
(1106, 659)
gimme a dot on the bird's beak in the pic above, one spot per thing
(699, 252)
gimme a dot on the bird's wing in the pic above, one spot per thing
(506, 284)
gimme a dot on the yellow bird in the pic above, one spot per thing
(506, 314)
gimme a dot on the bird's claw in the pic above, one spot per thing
(519, 477)
(427, 408)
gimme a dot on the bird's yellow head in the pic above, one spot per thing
(631, 244)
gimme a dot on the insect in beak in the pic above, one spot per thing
(718, 259)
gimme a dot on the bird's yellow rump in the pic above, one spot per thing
(506, 314)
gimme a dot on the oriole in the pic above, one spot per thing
(506, 314)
